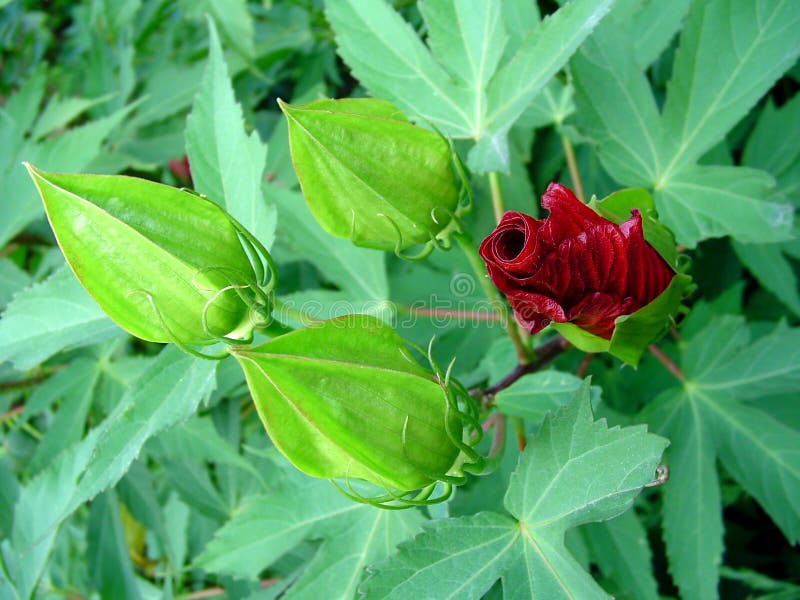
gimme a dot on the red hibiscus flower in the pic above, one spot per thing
(574, 266)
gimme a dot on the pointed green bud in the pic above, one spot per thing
(345, 399)
(371, 176)
(165, 264)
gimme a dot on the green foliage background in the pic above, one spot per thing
(131, 470)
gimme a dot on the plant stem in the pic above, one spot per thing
(543, 354)
(497, 195)
(569, 154)
(465, 243)
(665, 360)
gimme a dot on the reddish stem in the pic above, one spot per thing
(666, 361)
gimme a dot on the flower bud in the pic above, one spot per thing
(369, 175)
(165, 264)
(600, 283)
(345, 399)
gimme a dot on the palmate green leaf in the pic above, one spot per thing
(167, 393)
(51, 316)
(107, 556)
(543, 53)
(270, 525)
(730, 54)
(227, 164)
(692, 511)
(639, 148)
(716, 412)
(359, 272)
(574, 471)
(459, 85)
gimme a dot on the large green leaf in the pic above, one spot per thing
(617, 108)
(574, 471)
(460, 84)
(268, 526)
(167, 393)
(730, 54)
(714, 412)
(691, 497)
(50, 316)
(227, 164)
(640, 148)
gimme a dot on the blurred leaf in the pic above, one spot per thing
(621, 550)
(167, 393)
(357, 271)
(774, 145)
(463, 557)
(197, 439)
(653, 27)
(269, 526)
(107, 555)
(72, 151)
(773, 270)
(51, 316)
(76, 386)
(227, 165)
(12, 280)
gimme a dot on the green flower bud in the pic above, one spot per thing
(371, 176)
(345, 399)
(165, 264)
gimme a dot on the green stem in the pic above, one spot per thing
(497, 195)
(465, 243)
(572, 165)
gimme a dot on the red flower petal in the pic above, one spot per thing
(573, 266)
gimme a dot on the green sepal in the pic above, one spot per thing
(165, 264)
(371, 176)
(344, 399)
(634, 332)
(617, 208)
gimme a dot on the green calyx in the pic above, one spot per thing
(370, 176)
(165, 264)
(344, 399)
